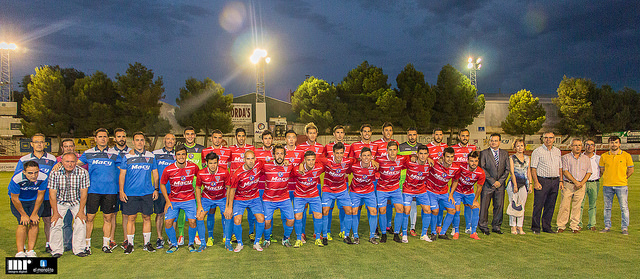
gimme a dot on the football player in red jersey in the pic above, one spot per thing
(415, 188)
(388, 190)
(215, 179)
(237, 161)
(381, 154)
(437, 186)
(338, 134)
(276, 195)
(307, 177)
(436, 147)
(335, 190)
(244, 194)
(362, 191)
(462, 192)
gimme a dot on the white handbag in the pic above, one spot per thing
(515, 208)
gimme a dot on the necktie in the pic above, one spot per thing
(496, 157)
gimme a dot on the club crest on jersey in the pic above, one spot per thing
(188, 172)
(370, 172)
(344, 165)
(473, 176)
(147, 159)
(221, 152)
(315, 173)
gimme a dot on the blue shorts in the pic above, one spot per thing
(208, 204)
(441, 200)
(342, 198)
(28, 208)
(422, 199)
(315, 205)
(255, 205)
(369, 199)
(463, 198)
(394, 196)
(189, 208)
(286, 209)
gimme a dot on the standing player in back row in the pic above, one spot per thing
(165, 156)
(409, 148)
(356, 149)
(180, 195)
(381, 154)
(338, 134)
(388, 190)
(462, 193)
(194, 155)
(311, 131)
(436, 150)
(224, 154)
(462, 149)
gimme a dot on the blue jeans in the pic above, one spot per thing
(622, 192)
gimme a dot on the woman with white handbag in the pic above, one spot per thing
(518, 187)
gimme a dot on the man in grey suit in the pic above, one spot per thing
(495, 162)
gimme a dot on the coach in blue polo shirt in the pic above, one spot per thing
(26, 190)
(138, 189)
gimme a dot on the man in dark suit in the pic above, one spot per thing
(495, 162)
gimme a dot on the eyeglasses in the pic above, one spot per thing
(588, 144)
(548, 137)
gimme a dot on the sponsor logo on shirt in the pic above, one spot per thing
(101, 162)
(140, 167)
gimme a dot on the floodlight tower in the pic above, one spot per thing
(260, 59)
(473, 67)
(5, 71)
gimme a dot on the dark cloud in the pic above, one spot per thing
(300, 9)
(366, 52)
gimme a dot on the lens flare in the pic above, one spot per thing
(233, 16)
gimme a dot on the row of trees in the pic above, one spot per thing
(365, 96)
(65, 102)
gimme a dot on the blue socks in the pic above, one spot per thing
(171, 234)
(475, 215)
(201, 233)
(405, 223)
(211, 220)
(251, 219)
(456, 222)
(372, 225)
(192, 235)
(227, 229)
(237, 230)
(298, 225)
(433, 222)
(327, 221)
(317, 227)
(287, 231)
(389, 216)
(467, 217)
(427, 219)
(341, 216)
(440, 217)
(348, 222)
(383, 222)
(304, 221)
(267, 232)
(448, 219)
(399, 222)
(325, 225)
(355, 224)
(259, 231)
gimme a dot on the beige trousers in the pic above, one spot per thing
(571, 199)
(79, 230)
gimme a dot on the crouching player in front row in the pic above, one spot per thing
(462, 192)
(215, 180)
(26, 190)
(180, 176)
(415, 188)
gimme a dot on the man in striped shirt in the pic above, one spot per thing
(546, 172)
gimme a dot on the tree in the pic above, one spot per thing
(203, 105)
(574, 106)
(526, 114)
(46, 111)
(138, 104)
(93, 100)
(418, 97)
(456, 103)
(369, 97)
(160, 127)
(315, 100)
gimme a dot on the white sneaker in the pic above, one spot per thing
(467, 231)
(21, 254)
(405, 239)
(31, 254)
(257, 247)
(453, 231)
(238, 248)
(197, 241)
(426, 238)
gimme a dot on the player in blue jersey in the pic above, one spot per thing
(45, 161)
(138, 190)
(120, 137)
(165, 157)
(26, 191)
(103, 192)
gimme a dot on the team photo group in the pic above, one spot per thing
(184, 184)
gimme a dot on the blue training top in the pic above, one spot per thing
(46, 163)
(139, 167)
(27, 190)
(164, 159)
(103, 171)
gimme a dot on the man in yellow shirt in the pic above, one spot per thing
(616, 166)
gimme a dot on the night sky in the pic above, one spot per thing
(523, 44)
